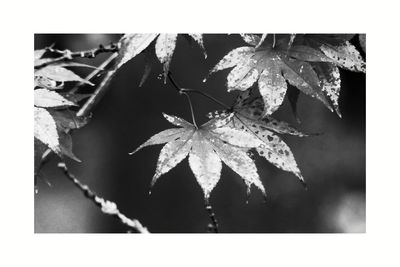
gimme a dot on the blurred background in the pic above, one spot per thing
(333, 164)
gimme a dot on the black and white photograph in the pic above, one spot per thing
(200, 133)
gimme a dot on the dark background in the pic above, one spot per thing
(333, 164)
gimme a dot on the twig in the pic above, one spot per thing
(107, 207)
(94, 72)
(98, 94)
(191, 108)
(68, 55)
(214, 224)
(184, 90)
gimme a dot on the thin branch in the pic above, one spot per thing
(94, 72)
(191, 108)
(68, 55)
(98, 94)
(107, 207)
(213, 227)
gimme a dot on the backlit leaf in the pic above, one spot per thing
(206, 146)
(59, 74)
(345, 56)
(49, 99)
(45, 129)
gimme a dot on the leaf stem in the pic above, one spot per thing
(191, 108)
(107, 207)
(184, 90)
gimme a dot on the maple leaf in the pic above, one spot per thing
(247, 115)
(134, 44)
(327, 52)
(270, 65)
(207, 146)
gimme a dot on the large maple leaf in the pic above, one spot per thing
(207, 146)
(308, 62)
(270, 65)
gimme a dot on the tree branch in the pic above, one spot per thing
(94, 72)
(98, 94)
(107, 207)
(68, 55)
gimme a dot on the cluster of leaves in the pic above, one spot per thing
(308, 62)
(229, 137)
(52, 114)
(134, 44)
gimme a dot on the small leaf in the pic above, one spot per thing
(132, 45)
(199, 39)
(46, 129)
(165, 47)
(50, 99)
(59, 74)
